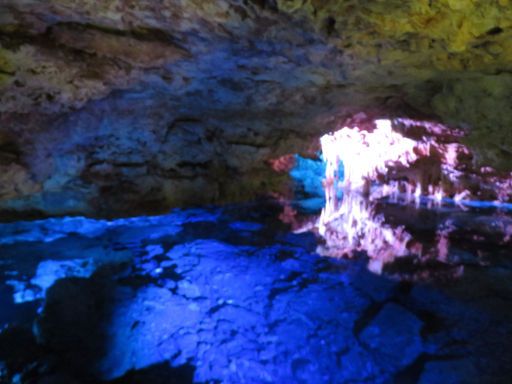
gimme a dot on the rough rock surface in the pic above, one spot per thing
(120, 105)
(231, 296)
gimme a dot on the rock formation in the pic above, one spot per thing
(122, 106)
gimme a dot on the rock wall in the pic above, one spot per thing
(124, 106)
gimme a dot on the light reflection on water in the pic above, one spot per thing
(392, 229)
(236, 297)
(380, 184)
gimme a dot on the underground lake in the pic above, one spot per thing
(334, 286)
(255, 191)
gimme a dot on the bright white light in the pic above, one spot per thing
(381, 162)
(365, 154)
(378, 163)
(356, 227)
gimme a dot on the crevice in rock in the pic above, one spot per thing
(495, 31)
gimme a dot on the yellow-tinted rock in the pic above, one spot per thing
(6, 64)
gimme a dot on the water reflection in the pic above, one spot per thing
(429, 236)
(395, 174)
(353, 225)
(230, 295)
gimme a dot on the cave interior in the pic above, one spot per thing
(255, 191)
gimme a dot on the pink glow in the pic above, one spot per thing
(355, 227)
(380, 162)
(283, 163)
(365, 154)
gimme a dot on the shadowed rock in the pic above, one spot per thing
(120, 107)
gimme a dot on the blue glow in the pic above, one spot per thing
(308, 174)
(481, 204)
(446, 201)
(245, 226)
(223, 291)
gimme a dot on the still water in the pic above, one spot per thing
(260, 293)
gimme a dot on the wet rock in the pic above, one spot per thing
(159, 374)
(394, 335)
(455, 371)
(247, 310)
(356, 364)
(304, 370)
(19, 353)
(76, 336)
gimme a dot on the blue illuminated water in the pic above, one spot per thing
(231, 295)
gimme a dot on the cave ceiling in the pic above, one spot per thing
(107, 103)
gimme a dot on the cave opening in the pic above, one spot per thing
(415, 161)
(255, 191)
(370, 251)
(364, 191)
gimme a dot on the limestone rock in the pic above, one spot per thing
(394, 334)
(121, 106)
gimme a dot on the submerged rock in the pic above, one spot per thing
(230, 295)
(394, 335)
